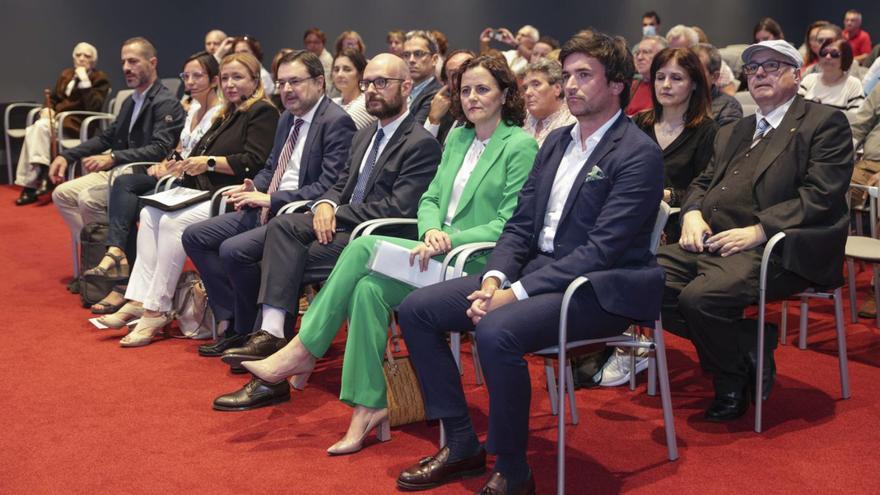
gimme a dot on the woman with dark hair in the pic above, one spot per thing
(234, 148)
(810, 48)
(767, 29)
(679, 121)
(832, 86)
(348, 70)
(201, 79)
(471, 197)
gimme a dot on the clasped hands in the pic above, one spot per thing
(436, 242)
(697, 236)
(488, 298)
(246, 195)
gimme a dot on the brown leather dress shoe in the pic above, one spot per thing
(436, 470)
(869, 309)
(497, 485)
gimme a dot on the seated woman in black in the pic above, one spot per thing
(234, 149)
(680, 122)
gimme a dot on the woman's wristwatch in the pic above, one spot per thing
(212, 162)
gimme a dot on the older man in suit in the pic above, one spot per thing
(786, 169)
(588, 208)
(390, 167)
(146, 130)
(312, 144)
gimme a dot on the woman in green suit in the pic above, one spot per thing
(469, 200)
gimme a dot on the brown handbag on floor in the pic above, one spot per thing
(405, 402)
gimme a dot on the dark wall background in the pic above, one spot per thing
(38, 35)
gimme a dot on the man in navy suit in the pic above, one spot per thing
(588, 208)
(312, 144)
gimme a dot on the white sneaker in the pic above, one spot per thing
(616, 369)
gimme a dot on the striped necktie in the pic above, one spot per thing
(360, 189)
(282, 163)
(763, 127)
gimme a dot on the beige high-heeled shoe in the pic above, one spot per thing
(126, 314)
(378, 421)
(146, 330)
(283, 364)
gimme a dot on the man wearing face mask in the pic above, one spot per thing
(79, 88)
(311, 147)
(650, 24)
(390, 167)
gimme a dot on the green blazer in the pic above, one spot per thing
(490, 194)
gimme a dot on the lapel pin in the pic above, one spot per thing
(793, 129)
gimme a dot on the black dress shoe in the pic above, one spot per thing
(497, 485)
(28, 195)
(46, 187)
(256, 393)
(216, 349)
(261, 345)
(771, 336)
(727, 406)
(436, 470)
(73, 286)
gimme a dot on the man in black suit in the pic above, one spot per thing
(391, 165)
(146, 129)
(312, 144)
(587, 208)
(786, 169)
(420, 51)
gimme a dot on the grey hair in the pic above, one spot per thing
(427, 36)
(532, 32)
(713, 54)
(551, 68)
(681, 30)
(88, 47)
(660, 40)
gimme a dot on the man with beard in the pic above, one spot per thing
(312, 144)
(146, 130)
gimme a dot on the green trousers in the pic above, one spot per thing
(365, 299)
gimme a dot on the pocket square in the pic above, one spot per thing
(596, 173)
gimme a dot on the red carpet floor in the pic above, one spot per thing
(82, 415)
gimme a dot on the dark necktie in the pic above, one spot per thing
(360, 189)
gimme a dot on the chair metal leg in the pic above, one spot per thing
(551, 385)
(805, 313)
(213, 327)
(851, 276)
(475, 354)
(75, 251)
(841, 344)
(455, 346)
(632, 366)
(652, 373)
(759, 372)
(8, 158)
(665, 397)
(573, 406)
(783, 324)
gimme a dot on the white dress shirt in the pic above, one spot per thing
(573, 160)
(461, 177)
(774, 118)
(389, 130)
(290, 179)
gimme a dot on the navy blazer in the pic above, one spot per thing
(605, 229)
(154, 134)
(325, 154)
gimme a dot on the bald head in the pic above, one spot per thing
(213, 40)
(392, 72)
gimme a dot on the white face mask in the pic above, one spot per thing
(649, 30)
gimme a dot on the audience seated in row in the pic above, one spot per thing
(833, 86)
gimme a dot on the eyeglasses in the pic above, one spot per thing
(830, 53)
(417, 54)
(281, 83)
(379, 82)
(751, 69)
(191, 75)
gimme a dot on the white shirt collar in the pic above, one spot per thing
(392, 126)
(594, 138)
(310, 115)
(774, 118)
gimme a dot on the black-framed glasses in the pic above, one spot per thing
(751, 68)
(830, 53)
(379, 82)
(281, 83)
(415, 53)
